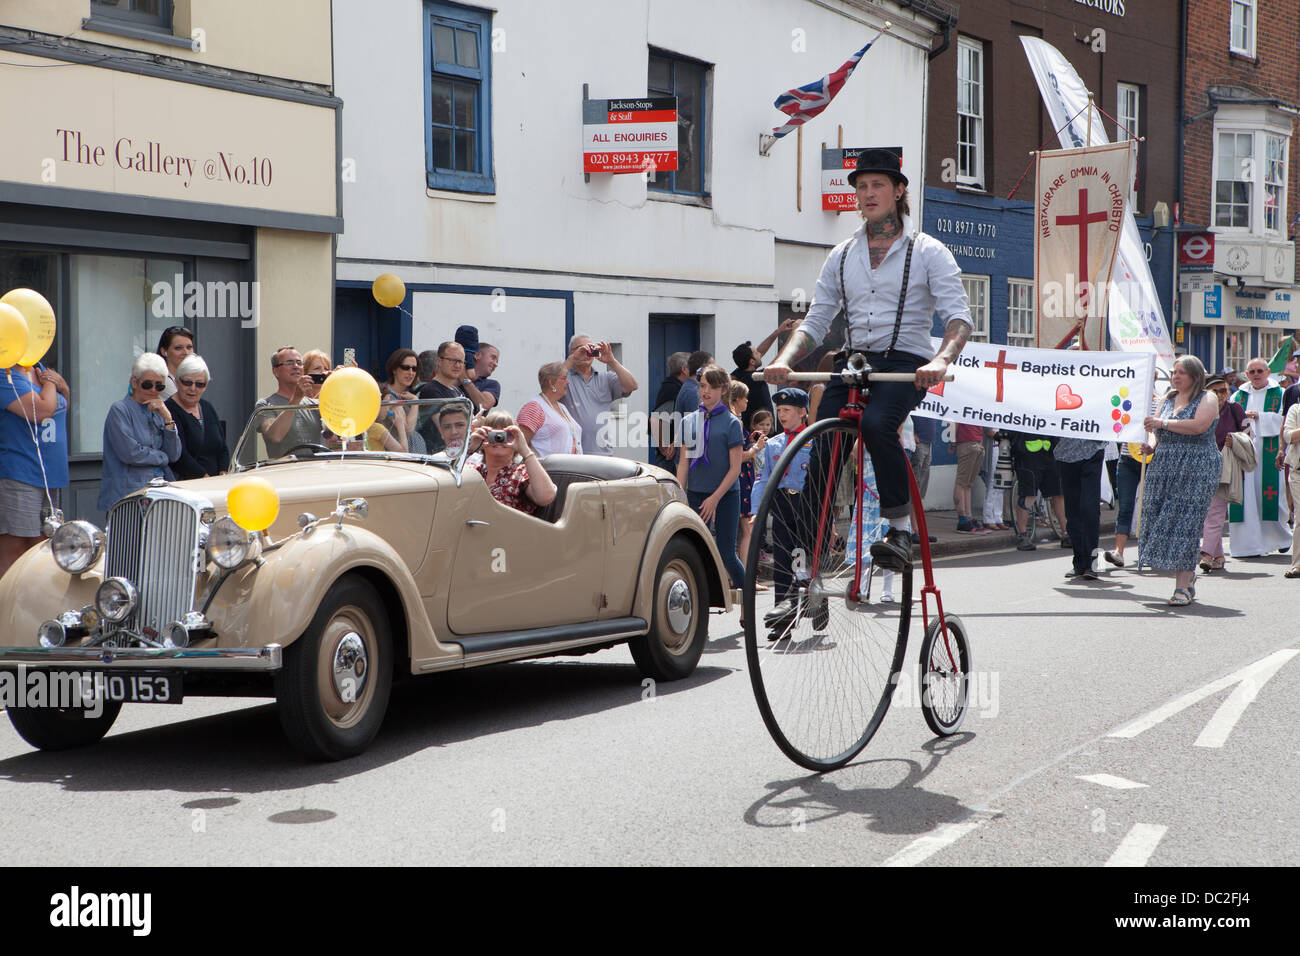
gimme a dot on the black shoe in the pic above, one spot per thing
(1026, 543)
(894, 552)
(820, 611)
(782, 613)
(1089, 575)
(1073, 573)
(1066, 543)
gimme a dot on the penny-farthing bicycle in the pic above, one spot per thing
(824, 671)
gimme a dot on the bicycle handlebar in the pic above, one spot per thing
(871, 376)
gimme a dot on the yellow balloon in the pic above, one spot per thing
(40, 322)
(13, 335)
(349, 402)
(388, 290)
(253, 503)
(1135, 449)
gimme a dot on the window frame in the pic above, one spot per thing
(1129, 126)
(704, 193)
(1261, 127)
(480, 22)
(1249, 25)
(979, 314)
(1232, 359)
(159, 21)
(1017, 290)
(1274, 339)
(974, 176)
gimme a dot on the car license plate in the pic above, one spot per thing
(132, 688)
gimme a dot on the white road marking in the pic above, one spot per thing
(922, 848)
(1256, 673)
(1230, 711)
(1138, 845)
(1109, 780)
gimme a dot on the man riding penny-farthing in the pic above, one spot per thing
(825, 659)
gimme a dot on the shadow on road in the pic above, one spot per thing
(904, 808)
(245, 752)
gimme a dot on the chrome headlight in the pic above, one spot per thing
(229, 545)
(116, 599)
(77, 545)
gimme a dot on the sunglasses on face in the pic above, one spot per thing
(408, 368)
(152, 386)
(189, 384)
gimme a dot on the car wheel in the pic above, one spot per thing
(679, 621)
(50, 728)
(333, 688)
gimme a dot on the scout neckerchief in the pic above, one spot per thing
(708, 415)
(1268, 479)
(902, 298)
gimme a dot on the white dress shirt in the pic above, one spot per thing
(934, 285)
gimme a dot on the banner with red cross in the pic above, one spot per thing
(1078, 220)
(1066, 392)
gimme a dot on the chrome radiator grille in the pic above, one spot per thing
(151, 543)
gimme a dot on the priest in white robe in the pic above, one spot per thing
(1259, 524)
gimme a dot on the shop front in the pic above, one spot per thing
(138, 202)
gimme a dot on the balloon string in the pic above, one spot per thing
(31, 430)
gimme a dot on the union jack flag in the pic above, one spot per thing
(804, 102)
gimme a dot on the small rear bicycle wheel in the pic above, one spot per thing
(945, 675)
(824, 672)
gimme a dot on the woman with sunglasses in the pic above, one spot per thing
(140, 436)
(203, 442)
(403, 366)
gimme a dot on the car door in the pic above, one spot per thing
(511, 571)
(630, 508)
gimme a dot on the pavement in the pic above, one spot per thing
(943, 525)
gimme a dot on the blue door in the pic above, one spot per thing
(1200, 346)
(363, 324)
(669, 334)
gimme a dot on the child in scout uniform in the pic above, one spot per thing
(792, 414)
(709, 467)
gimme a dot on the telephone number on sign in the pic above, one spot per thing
(629, 162)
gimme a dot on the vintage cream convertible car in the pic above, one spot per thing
(413, 569)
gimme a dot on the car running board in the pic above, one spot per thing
(556, 637)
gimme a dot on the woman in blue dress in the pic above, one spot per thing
(1181, 478)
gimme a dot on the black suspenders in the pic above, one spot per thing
(902, 297)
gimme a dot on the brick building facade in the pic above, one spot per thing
(1242, 87)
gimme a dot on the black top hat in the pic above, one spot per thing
(887, 160)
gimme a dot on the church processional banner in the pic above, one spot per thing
(1079, 215)
(1099, 395)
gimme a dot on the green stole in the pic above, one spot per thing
(1270, 486)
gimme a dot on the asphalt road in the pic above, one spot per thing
(574, 761)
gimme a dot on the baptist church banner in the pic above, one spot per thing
(1099, 395)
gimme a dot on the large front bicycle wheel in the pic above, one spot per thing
(824, 646)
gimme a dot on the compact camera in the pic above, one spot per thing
(592, 350)
(498, 437)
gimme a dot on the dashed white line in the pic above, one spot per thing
(1110, 780)
(1138, 845)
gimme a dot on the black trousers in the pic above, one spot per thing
(787, 522)
(890, 404)
(1081, 486)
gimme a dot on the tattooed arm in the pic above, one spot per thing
(799, 347)
(954, 340)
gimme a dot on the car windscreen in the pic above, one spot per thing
(434, 429)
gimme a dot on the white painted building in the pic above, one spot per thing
(715, 252)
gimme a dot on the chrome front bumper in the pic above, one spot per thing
(257, 660)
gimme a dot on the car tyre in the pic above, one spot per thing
(333, 688)
(679, 621)
(50, 728)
